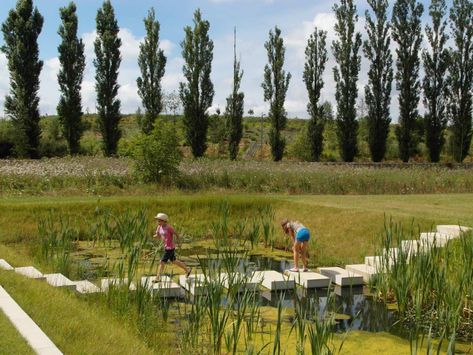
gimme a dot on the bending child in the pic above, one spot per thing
(300, 237)
(166, 232)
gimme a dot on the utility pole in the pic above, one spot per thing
(261, 136)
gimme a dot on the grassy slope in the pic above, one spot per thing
(73, 324)
(11, 342)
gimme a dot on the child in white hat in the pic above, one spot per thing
(166, 232)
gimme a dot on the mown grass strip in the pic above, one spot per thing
(11, 342)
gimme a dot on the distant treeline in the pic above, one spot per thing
(446, 89)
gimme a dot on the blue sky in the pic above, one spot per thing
(253, 19)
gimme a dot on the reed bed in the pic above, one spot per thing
(227, 318)
(432, 288)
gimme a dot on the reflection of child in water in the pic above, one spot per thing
(300, 236)
(167, 233)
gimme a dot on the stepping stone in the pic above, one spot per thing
(30, 272)
(59, 280)
(437, 239)
(341, 276)
(273, 280)
(164, 288)
(362, 269)
(4, 265)
(413, 247)
(85, 286)
(116, 282)
(239, 279)
(309, 279)
(194, 284)
(453, 230)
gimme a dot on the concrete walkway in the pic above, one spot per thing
(35, 337)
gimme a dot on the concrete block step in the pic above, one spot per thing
(341, 276)
(116, 282)
(194, 284)
(453, 230)
(308, 279)
(59, 280)
(30, 272)
(164, 288)
(273, 280)
(85, 286)
(240, 280)
(436, 238)
(362, 269)
(414, 247)
(4, 265)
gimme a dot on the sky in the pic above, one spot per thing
(253, 20)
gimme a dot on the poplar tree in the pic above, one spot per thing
(345, 50)
(380, 77)
(152, 64)
(234, 109)
(107, 63)
(275, 85)
(198, 91)
(435, 86)
(406, 31)
(461, 77)
(72, 59)
(20, 32)
(315, 60)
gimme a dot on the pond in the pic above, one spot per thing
(355, 307)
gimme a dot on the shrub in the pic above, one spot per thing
(6, 139)
(157, 155)
(300, 148)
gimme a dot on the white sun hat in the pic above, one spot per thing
(162, 216)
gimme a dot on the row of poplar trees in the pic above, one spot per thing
(447, 85)
(21, 31)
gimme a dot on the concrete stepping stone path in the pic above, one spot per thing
(273, 280)
(59, 280)
(116, 282)
(85, 286)
(4, 265)
(309, 279)
(164, 288)
(362, 269)
(30, 272)
(35, 337)
(194, 284)
(452, 230)
(341, 276)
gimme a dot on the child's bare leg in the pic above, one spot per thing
(295, 249)
(181, 265)
(304, 248)
(161, 269)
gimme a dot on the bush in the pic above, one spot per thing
(6, 142)
(157, 156)
(300, 148)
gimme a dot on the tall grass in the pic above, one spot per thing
(96, 176)
(431, 288)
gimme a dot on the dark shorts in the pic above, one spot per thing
(169, 255)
